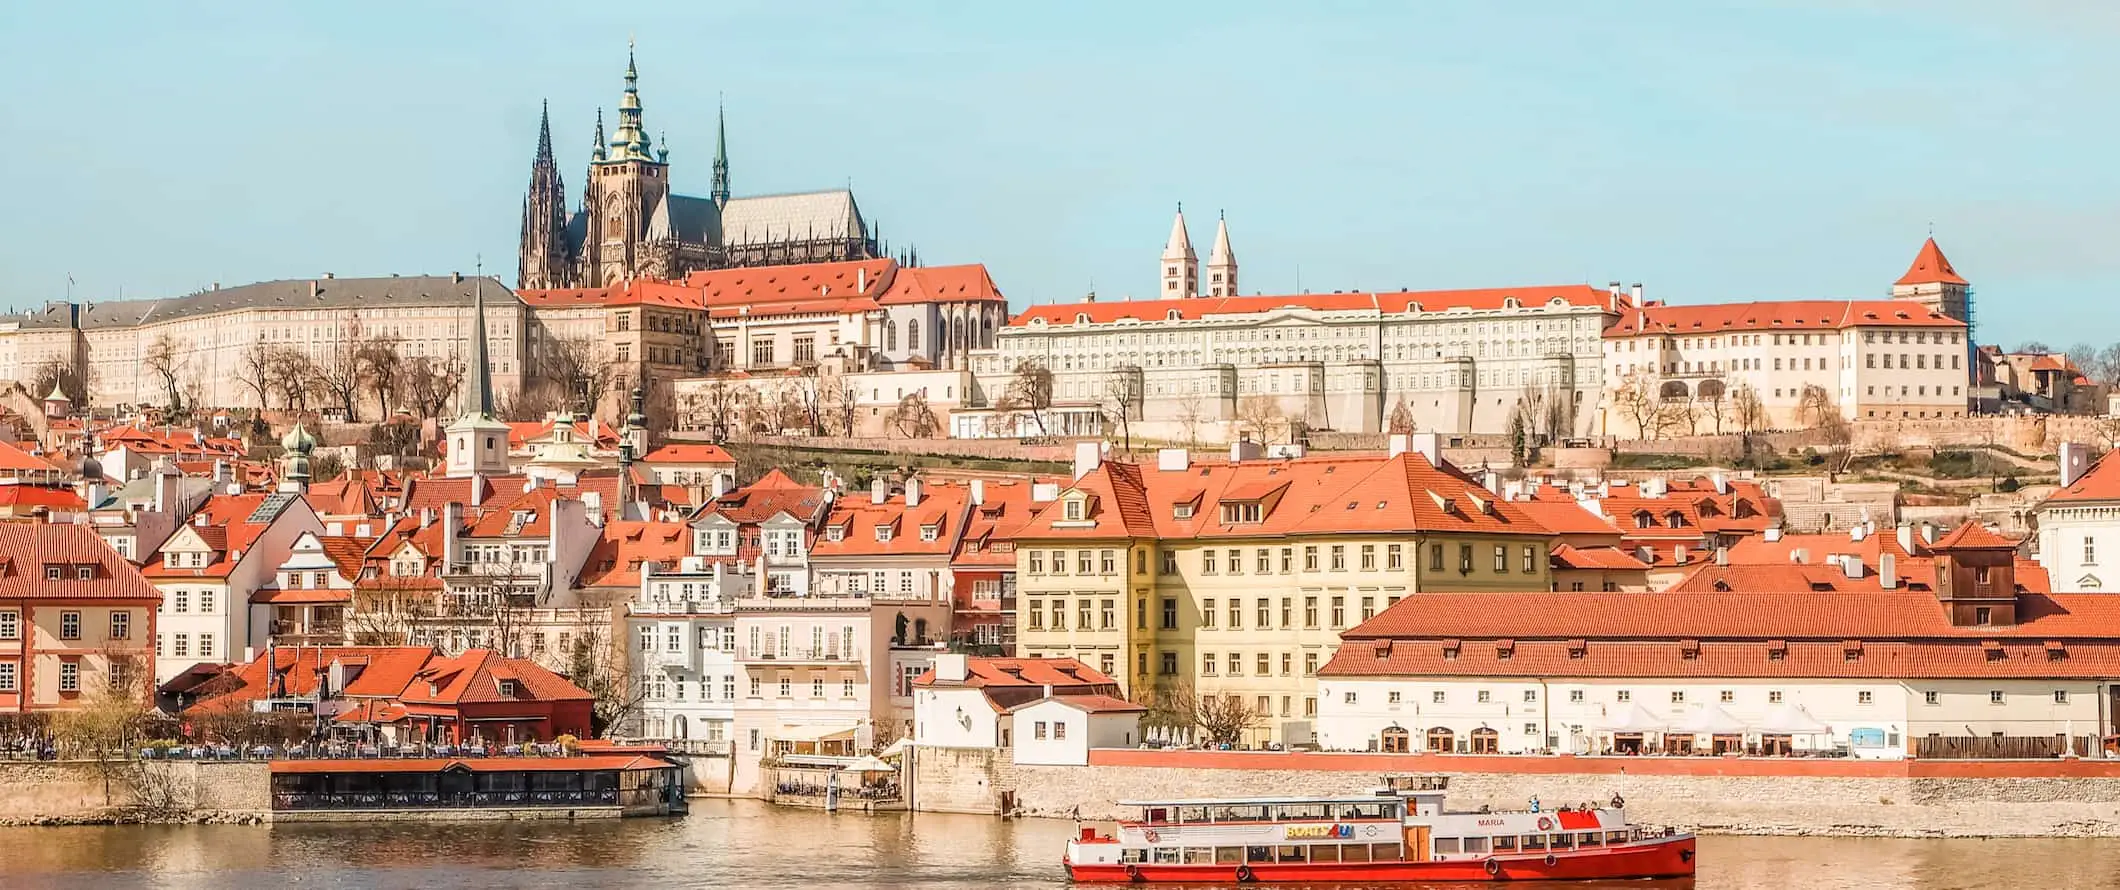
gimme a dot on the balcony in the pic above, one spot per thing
(796, 655)
(679, 607)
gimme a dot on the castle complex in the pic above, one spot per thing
(631, 225)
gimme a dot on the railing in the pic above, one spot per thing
(685, 607)
(697, 747)
(2014, 747)
(391, 800)
(795, 655)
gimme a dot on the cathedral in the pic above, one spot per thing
(630, 225)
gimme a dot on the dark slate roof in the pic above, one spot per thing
(329, 293)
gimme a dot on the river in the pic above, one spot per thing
(744, 844)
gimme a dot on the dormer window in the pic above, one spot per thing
(507, 688)
(1246, 511)
(835, 533)
(1072, 510)
(1644, 519)
(1181, 511)
(930, 532)
(54, 573)
(883, 531)
(1674, 519)
(84, 573)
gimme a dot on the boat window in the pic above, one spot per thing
(1290, 812)
(1384, 852)
(1237, 813)
(1475, 845)
(1534, 842)
(1291, 854)
(1354, 853)
(1564, 841)
(1258, 854)
(1505, 844)
(1592, 839)
(1155, 815)
(1137, 854)
(1325, 852)
(1192, 814)
(1448, 845)
(1199, 855)
(1362, 811)
(1615, 837)
(1168, 855)
(1229, 855)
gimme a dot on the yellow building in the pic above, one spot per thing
(1235, 578)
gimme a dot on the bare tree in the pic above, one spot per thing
(107, 725)
(2034, 347)
(583, 367)
(1174, 704)
(382, 364)
(1261, 415)
(1192, 412)
(1223, 719)
(839, 408)
(387, 609)
(164, 359)
(714, 408)
(1635, 397)
(429, 383)
(339, 376)
(1400, 422)
(1030, 392)
(254, 369)
(598, 665)
(1122, 402)
(1814, 406)
(527, 406)
(1713, 394)
(913, 419)
(1750, 414)
(295, 376)
(1561, 409)
(55, 373)
(1683, 411)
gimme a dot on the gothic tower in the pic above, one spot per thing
(544, 259)
(628, 184)
(720, 194)
(1221, 263)
(1181, 266)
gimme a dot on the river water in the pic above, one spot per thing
(744, 844)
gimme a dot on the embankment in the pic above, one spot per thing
(2047, 798)
(64, 792)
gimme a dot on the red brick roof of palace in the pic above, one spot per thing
(616, 559)
(857, 518)
(383, 671)
(1333, 494)
(1609, 558)
(28, 550)
(1392, 302)
(15, 460)
(476, 675)
(800, 282)
(1004, 510)
(689, 453)
(1774, 315)
(2100, 483)
(941, 284)
(1930, 267)
(560, 298)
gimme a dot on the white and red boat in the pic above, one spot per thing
(1399, 833)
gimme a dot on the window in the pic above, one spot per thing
(1264, 560)
(1623, 696)
(1236, 664)
(1726, 696)
(1236, 614)
(206, 601)
(1059, 730)
(1349, 698)
(1265, 613)
(816, 687)
(180, 601)
(1369, 608)
(1207, 613)
(1107, 617)
(1072, 510)
(84, 573)
(1170, 613)
(1486, 697)
(1530, 696)
(121, 625)
(1864, 697)
(1575, 696)
(7, 676)
(1265, 665)
(1678, 696)
(1108, 562)
(1369, 557)
(1435, 557)
(2060, 696)
(10, 625)
(1310, 558)
(1170, 663)
(1394, 557)
(1207, 664)
(787, 686)
(1037, 562)
(69, 625)
(1038, 730)
(1170, 562)
(1236, 561)
(54, 573)
(1207, 561)
(1339, 612)
(69, 677)
(1339, 557)
(1995, 697)
(1288, 556)
(1501, 559)
(1082, 562)
(1464, 558)
(1310, 664)
(1310, 612)
(1530, 560)
(1037, 615)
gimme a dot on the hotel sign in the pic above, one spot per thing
(1318, 832)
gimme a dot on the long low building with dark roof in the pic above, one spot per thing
(211, 337)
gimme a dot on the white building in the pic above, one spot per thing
(211, 566)
(683, 624)
(1060, 730)
(2080, 525)
(1920, 666)
(968, 702)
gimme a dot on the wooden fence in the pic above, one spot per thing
(2011, 747)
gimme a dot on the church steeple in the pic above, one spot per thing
(720, 192)
(1221, 263)
(478, 443)
(479, 398)
(630, 141)
(596, 147)
(543, 260)
(1181, 266)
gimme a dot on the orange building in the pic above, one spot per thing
(72, 614)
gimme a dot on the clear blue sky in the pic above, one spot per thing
(1714, 151)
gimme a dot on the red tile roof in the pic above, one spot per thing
(1610, 558)
(1965, 657)
(1973, 536)
(990, 529)
(616, 560)
(15, 460)
(1397, 302)
(984, 673)
(560, 298)
(941, 507)
(383, 671)
(29, 497)
(1774, 315)
(2100, 483)
(1930, 267)
(770, 284)
(475, 676)
(595, 762)
(941, 284)
(689, 453)
(1565, 516)
(27, 548)
(1092, 704)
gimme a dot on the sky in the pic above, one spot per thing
(1714, 151)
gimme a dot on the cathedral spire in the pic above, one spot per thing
(544, 131)
(596, 149)
(479, 399)
(630, 141)
(478, 444)
(543, 257)
(1221, 262)
(720, 194)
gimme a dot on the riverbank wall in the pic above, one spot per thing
(1751, 796)
(87, 792)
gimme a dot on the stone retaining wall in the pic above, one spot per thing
(1790, 797)
(85, 791)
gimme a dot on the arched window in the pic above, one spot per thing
(912, 335)
(1486, 741)
(1441, 740)
(890, 337)
(1397, 740)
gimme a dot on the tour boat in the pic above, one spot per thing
(1399, 833)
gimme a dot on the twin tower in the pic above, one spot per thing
(1181, 266)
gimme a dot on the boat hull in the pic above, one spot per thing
(1667, 857)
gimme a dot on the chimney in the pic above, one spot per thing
(1646, 554)
(426, 516)
(1173, 459)
(1928, 533)
(1045, 492)
(2075, 459)
(1799, 556)
(1722, 482)
(1722, 556)
(1429, 446)
(978, 492)
(456, 278)
(1400, 443)
(721, 484)
(912, 492)
(951, 667)
(1851, 565)
(315, 288)
(1678, 554)
(1858, 532)
(1637, 293)
(1887, 571)
(452, 522)
(1906, 539)
(879, 490)
(861, 279)
(1771, 535)
(1088, 457)
(335, 528)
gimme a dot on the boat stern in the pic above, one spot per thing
(1092, 856)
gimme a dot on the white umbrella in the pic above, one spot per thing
(1712, 720)
(869, 765)
(1634, 719)
(893, 749)
(1788, 719)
